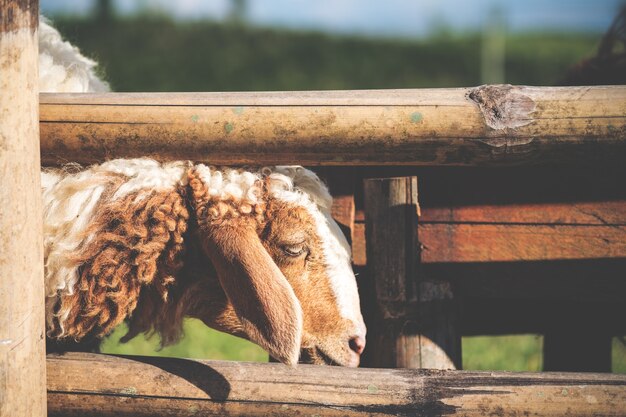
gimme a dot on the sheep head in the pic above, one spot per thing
(255, 254)
(283, 263)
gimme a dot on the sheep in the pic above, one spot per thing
(251, 252)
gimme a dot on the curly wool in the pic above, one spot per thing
(76, 201)
(114, 228)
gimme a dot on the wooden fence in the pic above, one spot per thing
(517, 242)
(508, 216)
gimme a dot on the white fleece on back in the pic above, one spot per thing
(62, 68)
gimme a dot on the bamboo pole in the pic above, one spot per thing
(479, 126)
(98, 385)
(22, 347)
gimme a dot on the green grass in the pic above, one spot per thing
(619, 355)
(520, 353)
(502, 353)
(199, 342)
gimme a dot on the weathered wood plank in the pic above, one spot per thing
(541, 195)
(532, 125)
(359, 245)
(499, 243)
(22, 345)
(572, 213)
(449, 242)
(98, 385)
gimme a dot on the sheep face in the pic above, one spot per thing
(317, 268)
(284, 266)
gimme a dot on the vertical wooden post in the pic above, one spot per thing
(22, 339)
(411, 320)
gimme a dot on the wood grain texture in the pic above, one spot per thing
(451, 242)
(98, 385)
(498, 243)
(408, 127)
(514, 213)
(599, 213)
(411, 321)
(22, 347)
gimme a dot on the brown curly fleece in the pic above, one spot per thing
(134, 242)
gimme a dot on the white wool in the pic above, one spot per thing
(230, 184)
(306, 181)
(62, 68)
(145, 174)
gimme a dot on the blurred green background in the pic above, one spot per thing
(154, 53)
(148, 51)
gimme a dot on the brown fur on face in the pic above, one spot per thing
(268, 311)
(288, 235)
(288, 229)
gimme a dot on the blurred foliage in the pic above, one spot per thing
(154, 53)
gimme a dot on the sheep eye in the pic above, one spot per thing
(294, 250)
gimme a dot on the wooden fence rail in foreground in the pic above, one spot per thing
(479, 126)
(142, 386)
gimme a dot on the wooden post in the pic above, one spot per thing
(83, 384)
(411, 320)
(22, 341)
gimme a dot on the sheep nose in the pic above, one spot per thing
(357, 344)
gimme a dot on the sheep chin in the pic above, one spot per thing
(318, 356)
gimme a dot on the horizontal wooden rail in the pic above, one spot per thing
(454, 243)
(97, 385)
(488, 125)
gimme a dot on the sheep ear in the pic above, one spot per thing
(264, 301)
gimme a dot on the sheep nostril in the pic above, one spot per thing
(357, 344)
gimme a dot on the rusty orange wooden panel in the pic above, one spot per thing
(496, 243)
(501, 243)
(583, 213)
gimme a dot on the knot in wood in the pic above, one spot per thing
(503, 106)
